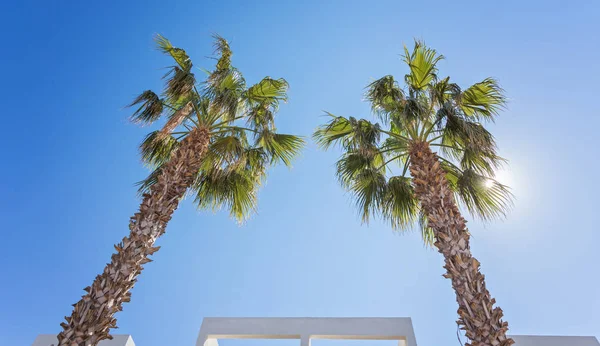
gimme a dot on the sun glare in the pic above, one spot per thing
(504, 177)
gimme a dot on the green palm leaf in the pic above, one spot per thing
(233, 186)
(399, 204)
(156, 148)
(385, 97)
(224, 52)
(483, 100)
(150, 110)
(422, 63)
(337, 129)
(482, 198)
(178, 54)
(151, 179)
(369, 188)
(444, 91)
(229, 148)
(267, 91)
(229, 189)
(351, 164)
(225, 88)
(281, 147)
(179, 86)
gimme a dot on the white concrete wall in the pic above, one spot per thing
(305, 329)
(534, 340)
(51, 340)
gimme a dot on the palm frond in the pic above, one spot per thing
(228, 148)
(481, 195)
(385, 97)
(267, 91)
(224, 53)
(156, 148)
(395, 146)
(443, 91)
(145, 185)
(416, 109)
(399, 204)
(226, 189)
(426, 232)
(179, 86)
(150, 110)
(350, 133)
(461, 135)
(483, 100)
(280, 147)
(368, 189)
(178, 54)
(352, 163)
(422, 63)
(333, 131)
(233, 187)
(261, 118)
(482, 162)
(225, 88)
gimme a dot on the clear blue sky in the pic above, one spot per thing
(70, 161)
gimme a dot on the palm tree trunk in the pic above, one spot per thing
(481, 321)
(93, 315)
(176, 119)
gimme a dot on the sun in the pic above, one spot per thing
(504, 177)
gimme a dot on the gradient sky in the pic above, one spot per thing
(70, 161)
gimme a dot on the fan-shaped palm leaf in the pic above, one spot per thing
(156, 149)
(422, 63)
(483, 100)
(369, 188)
(268, 91)
(385, 96)
(178, 54)
(399, 204)
(280, 147)
(150, 110)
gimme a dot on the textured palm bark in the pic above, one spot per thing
(176, 119)
(93, 316)
(481, 321)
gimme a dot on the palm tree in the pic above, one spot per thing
(226, 142)
(392, 172)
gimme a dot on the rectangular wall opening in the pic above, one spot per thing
(259, 342)
(329, 342)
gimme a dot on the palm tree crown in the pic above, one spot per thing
(375, 162)
(240, 121)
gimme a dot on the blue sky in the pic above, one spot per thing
(70, 161)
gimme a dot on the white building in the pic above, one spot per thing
(307, 329)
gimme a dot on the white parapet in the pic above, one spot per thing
(305, 329)
(535, 340)
(51, 340)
